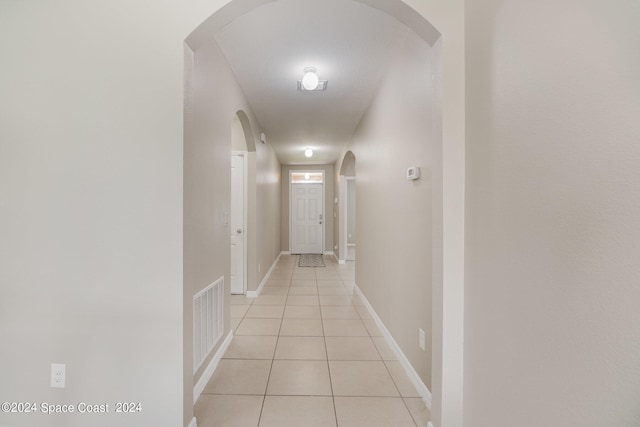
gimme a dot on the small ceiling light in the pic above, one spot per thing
(308, 152)
(310, 79)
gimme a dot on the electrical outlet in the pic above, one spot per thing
(421, 339)
(58, 373)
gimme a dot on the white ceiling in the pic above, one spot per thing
(348, 42)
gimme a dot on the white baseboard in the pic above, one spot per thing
(328, 253)
(351, 244)
(420, 386)
(285, 253)
(211, 367)
(254, 294)
(193, 423)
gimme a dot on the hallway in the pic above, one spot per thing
(306, 352)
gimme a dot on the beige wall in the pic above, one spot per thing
(207, 165)
(91, 119)
(268, 213)
(329, 206)
(551, 301)
(393, 215)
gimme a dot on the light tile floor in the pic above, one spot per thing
(306, 353)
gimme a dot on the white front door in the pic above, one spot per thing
(306, 219)
(238, 263)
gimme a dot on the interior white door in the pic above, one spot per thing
(307, 228)
(238, 261)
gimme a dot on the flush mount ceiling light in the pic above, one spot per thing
(310, 81)
(308, 152)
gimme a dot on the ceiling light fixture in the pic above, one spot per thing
(310, 81)
(308, 152)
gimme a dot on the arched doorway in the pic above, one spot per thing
(347, 210)
(242, 166)
(448, 300)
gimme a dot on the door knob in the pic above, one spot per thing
(321, 222)
(239, 231)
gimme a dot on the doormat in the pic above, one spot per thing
(311, 260)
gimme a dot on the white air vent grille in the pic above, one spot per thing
(208, 321)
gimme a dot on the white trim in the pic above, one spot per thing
(254, 294)
(194, 422)
(211, 367)
(324, 219)
(328, 253)
(420, 386)
(336, 257)
(285, 253)
(350, 244)
(342, 261)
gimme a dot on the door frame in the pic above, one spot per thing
(245, 217)
(324, 219)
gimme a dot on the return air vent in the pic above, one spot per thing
(208, 321)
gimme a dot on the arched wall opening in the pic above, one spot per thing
(243, 145)
(346, 207)
(242, 128)
(448, 177)
(241, 121)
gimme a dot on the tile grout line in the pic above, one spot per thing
(324, 338)
(340, 281)
(273, 358)
(310, 395)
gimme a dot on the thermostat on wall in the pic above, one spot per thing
(413, 173)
